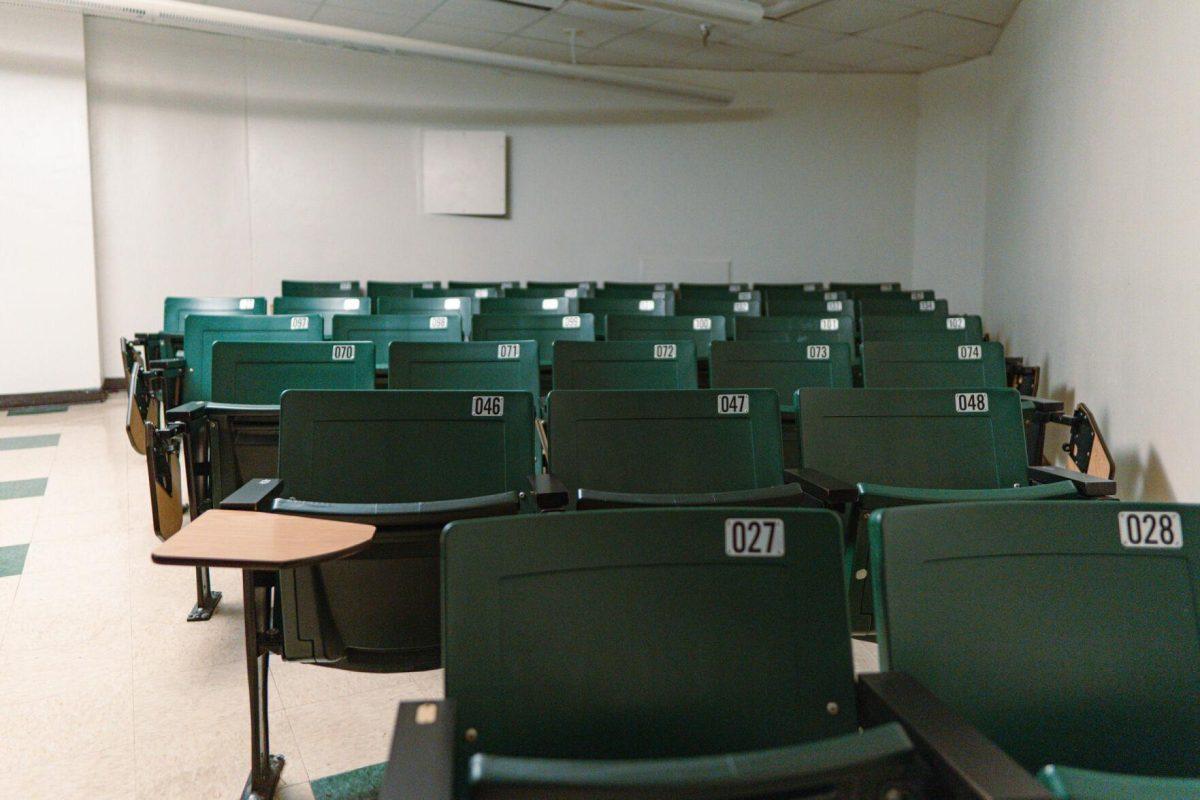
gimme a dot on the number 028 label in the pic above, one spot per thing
(1150, 529)
(754, 537)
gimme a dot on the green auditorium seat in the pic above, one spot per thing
(663, 448)
(257, 373)
(487, 366)
(625, 365)
(601, 307)
(638, 291)
(586, 285)
(176, 309)
(667, 653)
(200, 332)
(1066, 632)
(383, 329)
(931, 328)
(900, 304)
(545, 329)
(575, 290)
(703, 331)
(784, 294)
(499, 286)
(636, 286)
(862, 449)
(718, 291)
(478, 292)
(732, 310)
(327, 307)
(933, 365)
(811, 307)
(858, 290)
(529, 305)
(377, 289)
(321, 289)
(462, 305)
(798, 330)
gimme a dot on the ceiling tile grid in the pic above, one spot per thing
(885, 36)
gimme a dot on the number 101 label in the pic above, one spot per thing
(1150, 529)
(762, 538)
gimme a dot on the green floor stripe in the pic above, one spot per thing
(357, 784)
(28, 442)
(12, 560)
(30, 487)
(16, 412)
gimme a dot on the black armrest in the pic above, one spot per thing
(255, 495)
(549, 493)
(1086, 485)
(393, 515)
(783, 495)
(187, 412)
(969, 763)
(168, 363)
(421, 765)
(1044, 404)
(829, 490)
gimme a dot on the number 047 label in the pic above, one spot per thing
(754, 537)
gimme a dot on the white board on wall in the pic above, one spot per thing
(465, 172)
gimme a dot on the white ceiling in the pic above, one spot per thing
(819, 36)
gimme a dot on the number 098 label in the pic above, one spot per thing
(1158, 529)
(754, 537)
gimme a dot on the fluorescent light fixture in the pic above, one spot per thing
(735, 12)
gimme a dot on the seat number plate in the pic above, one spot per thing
(1150, 529)
(571, 322)
(833, 305)
(702, 324)
(481, 292)
(550, 304)
(299, 323)
(956, 323)
(818, 352)
(343, 352)
(745, 296)
(645, 305)
(452, 304)
(971, 402)
(351, 304)
(487, 405)
(970, 352)
(925, 305)
(659, 294)
(830, 324)
(570, 293)
(438, 323)
(733, 403)
(665, 351)
(917, 295)
(809, 287)
(344, 285)
(761, 538)
(741, 307)
(246, 303)
(508, 351)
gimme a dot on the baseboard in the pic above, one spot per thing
(52, 398)
(112, 385)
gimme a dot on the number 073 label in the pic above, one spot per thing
(754, 537)
(1150, 529)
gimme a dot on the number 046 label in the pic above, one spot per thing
(1150, 529)
(754, 537)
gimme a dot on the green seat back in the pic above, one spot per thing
(717, 291)
(377, 289)
(545, 329)
(666, 442)
(625, 365)
(1048, 630)
(632, 635)
(586, 285)
(703, 331)
(321, 289)
(529, 305)
(601, 307)
(383, 329)
(478, 292)
(900, 304)
(933, 366)
(498, 286)
(200, 332)
(803, 330)
(488, 366)
(256, 373)
(914, 437)
(782, 366)
(782, 294)
(732, 310)
(176, 309)
(858, 290)
(462, 305)
(811, 307)
(327, 307)
(635, 286)
(572, 290)
(931, 328)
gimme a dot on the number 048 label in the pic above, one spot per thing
(1150, 529)
(754, 537)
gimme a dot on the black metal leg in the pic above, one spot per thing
(206, 598)
(264, 767)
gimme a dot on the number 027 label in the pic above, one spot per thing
(754, 537)
(1150, 529)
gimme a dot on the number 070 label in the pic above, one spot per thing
(754, 537)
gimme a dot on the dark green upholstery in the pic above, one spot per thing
(933, 366)
(257, 373)
(719, 291)
(462, 305)
(321, 289)
(383, 329)
(1046, 631)
(327, 307)
(628, 649)
(957, 329)
(625, 365)
(601, 307)
(783, 294)
(900, 304)
(782, 366)
(574, 290)
(635, 286)
(377, 289)
(585, 285)
(859, 290)
(477, 293)
(200, 332)
(799, 330)
(529, 305)
(176, 309)
(703, 331)
(814, 307)
(545, 329)
(1069, 783)
(487, 366)
(379, 610)
(498, 286)
(732, 310)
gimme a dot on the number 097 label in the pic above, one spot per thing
(754, 537)
(1150, 529)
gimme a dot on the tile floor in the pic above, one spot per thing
(105, 690)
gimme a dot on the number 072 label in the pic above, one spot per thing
(754, 537)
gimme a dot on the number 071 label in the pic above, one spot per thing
(754, 537)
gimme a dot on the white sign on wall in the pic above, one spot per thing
(465, 172)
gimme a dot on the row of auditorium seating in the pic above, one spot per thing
(287, 423)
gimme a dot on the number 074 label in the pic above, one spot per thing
(754, 537)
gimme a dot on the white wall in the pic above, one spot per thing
(953, 122)
(1093, 221)
(224, 166)
(48, 329)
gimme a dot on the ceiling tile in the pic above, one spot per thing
(689, 29)
(996, 12)
(913, 60)
(940, 32)
(461, 37)
(292, 9)
(612, 13)
(644, 49)
(777, 37)
(365, 20)
(806, 63)
(485, 15)
(538, 48)
(854, 51)
(555, 27)
(849, 16)
(726, 57)
(402, 8)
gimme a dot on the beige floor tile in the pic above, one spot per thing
(102, 775)
(29, 674)
(8, 590)
(34, 462)
(178, 645)
(430, 684)
(71, 722)
(299, 791)
(110, 521)
(20, 512)
(72, 554)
